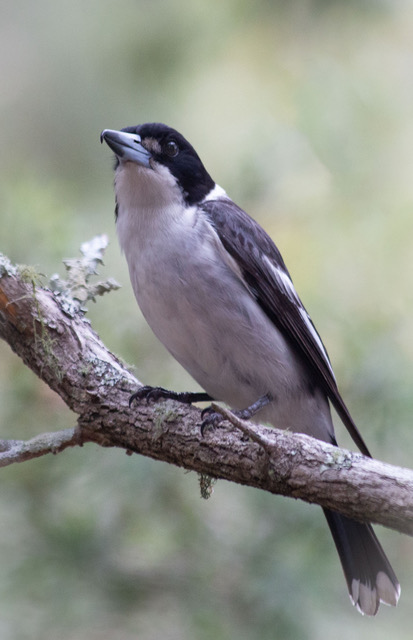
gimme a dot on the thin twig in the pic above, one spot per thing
(12, 451)
(246, 427)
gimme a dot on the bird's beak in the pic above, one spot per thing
(126, 146)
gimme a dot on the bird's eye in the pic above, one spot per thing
(171, 149)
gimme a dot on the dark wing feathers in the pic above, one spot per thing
(266, 274)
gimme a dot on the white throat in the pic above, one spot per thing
(146, 188)
(148, 200)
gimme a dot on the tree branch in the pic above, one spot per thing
(12, 451)
(48, 330)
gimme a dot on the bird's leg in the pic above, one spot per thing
(156, 393)
(213, 419)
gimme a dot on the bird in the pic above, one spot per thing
(215, 290)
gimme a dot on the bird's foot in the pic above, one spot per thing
(249, 412)
(211, 418)
(153, 394)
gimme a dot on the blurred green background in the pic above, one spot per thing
(303, 111)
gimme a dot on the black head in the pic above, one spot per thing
(153, 144)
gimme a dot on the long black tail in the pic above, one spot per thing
(370, 577)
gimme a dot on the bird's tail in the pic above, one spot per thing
(369, 575)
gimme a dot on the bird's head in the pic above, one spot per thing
(155, 163)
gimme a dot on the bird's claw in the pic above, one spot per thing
(150, 394)
(210, 419)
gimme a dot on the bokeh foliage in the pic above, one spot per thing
(302, 110)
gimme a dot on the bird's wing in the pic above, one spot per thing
(266, 275)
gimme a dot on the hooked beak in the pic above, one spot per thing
(126, 146)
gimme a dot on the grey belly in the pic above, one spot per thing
(214, 328)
